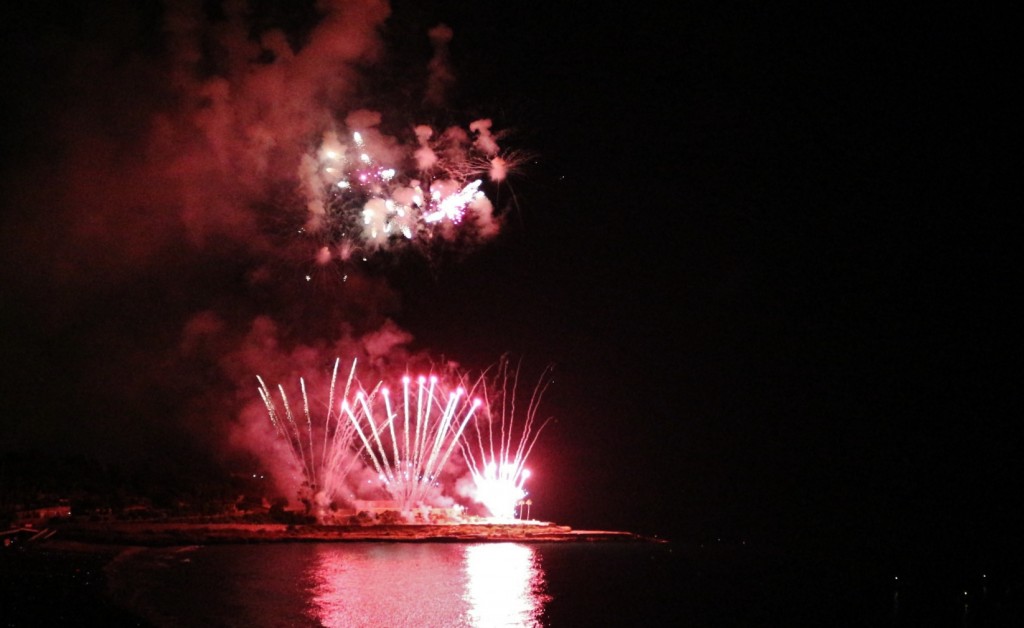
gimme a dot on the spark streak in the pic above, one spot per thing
(410, 457)
(502, 446)
(324, 468)
(408, 439)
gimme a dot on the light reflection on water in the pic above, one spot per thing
(493, 584)
(307, 585)
(505, 585)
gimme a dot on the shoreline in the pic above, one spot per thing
(158, 534)
(64, 578)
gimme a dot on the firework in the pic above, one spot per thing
(366, 192)
(496, 451)
(410, 440)
(321, 450)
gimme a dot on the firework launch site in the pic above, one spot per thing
(161, 534)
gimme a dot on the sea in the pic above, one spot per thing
(537, 584)
(444, 584)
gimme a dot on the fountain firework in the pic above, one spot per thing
(497, 452)
(409, 443)
(324, 459)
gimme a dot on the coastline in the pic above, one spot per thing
(155, 534)
(63, 579)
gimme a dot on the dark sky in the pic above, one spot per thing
(769, 255)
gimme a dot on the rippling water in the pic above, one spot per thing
(370, 584)
(546, 584)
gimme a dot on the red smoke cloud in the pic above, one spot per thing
(154, 216)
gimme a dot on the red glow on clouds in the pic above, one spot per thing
(195, 167)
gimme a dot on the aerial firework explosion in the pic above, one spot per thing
(366, 192)
(409, 440)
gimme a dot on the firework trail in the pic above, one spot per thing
(409, 441)
(497, 452)
(324, 460)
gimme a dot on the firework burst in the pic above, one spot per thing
(367, 192)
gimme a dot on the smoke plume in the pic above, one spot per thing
(171, 207)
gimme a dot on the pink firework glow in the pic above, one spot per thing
(408, 437)
(410, 440)
(499, 443)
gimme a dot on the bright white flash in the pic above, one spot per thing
(453, 206)
(353, 175)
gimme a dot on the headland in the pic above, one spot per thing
(144, 533)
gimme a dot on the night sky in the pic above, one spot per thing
(769, 256)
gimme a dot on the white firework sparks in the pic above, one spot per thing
(324, 459)
(361, 198)
(497, 451)
(409, 441)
